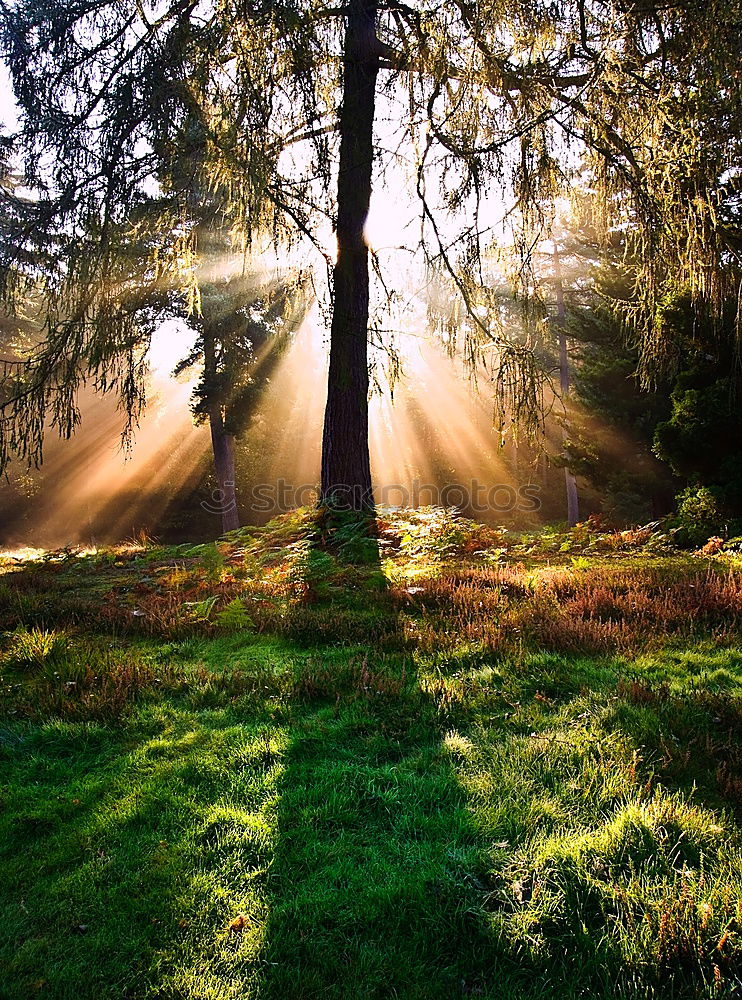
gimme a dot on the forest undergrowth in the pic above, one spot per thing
(430, 761)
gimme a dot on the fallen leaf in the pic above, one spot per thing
(238, 924)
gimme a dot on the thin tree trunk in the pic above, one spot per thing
(573, 503)
(222, 444)
(346, 464)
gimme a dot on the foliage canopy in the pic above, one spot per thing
(129, 107)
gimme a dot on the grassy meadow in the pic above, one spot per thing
(449, 761)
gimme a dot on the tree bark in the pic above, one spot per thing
(573, 502)
(346, 464)
(222, 443)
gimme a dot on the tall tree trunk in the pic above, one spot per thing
(573, 503)
(223, 447)
(346, 464)
(222, 443)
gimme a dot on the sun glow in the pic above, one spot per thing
(430, 430)
(391, 220)
(171, 342)
(97, 490)
(434, 428)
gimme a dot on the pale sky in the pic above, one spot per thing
(8, 107)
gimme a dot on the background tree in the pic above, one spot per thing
(125, 96)
(570, 483)
(699, 439)
(612, 420)
(242, 327)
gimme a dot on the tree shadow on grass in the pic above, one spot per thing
(374, 888)
(126, 853)
(379, 884)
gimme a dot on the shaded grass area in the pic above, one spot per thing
(351, 788)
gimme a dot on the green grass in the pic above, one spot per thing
(466, 768)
